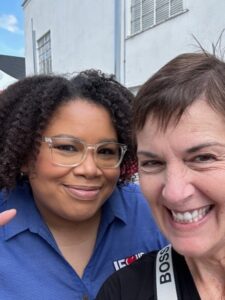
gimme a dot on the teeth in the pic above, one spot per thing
(190, 216)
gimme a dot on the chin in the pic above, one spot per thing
(189, 248)
(80, 218)
(86, 216)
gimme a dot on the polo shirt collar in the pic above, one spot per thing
(115, 206)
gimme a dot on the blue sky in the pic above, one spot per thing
(11, 28)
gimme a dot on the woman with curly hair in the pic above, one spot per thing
(65, 166)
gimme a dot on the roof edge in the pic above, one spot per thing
(25, 2)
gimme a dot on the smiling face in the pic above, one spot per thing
(73, 193)
(182, 174)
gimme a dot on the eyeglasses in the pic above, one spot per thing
(71, 152)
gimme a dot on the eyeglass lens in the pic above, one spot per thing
(66, 151)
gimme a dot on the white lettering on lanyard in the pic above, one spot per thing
(165, 281)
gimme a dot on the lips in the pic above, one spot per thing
(83, 192)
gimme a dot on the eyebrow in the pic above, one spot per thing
(202, 146)
(147, 154)
(62, 135)
(189, 150)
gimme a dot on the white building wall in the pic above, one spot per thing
(146, 52)
(82, 33)
(83, 36)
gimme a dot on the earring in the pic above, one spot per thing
(23, 175)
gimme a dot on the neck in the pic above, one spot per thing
(208, 274)
(71, 233)
(76, 241)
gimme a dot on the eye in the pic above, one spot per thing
(107, 151)
(204, 158)
(203, 162)
(151, 166)
(65, 147)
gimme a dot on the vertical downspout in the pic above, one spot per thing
(34, 47)
(117, 38)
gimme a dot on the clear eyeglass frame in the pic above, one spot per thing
(57, 154)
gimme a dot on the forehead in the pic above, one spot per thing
(199, 123)
(80, 118)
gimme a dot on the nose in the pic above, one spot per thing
(88, 167)
(178, 185)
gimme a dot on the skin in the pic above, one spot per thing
(73, 194)
(187, 163)
(7, 216)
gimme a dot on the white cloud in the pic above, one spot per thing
(9, 23)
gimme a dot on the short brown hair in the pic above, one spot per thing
(167, 94)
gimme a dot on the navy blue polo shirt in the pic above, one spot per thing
(32, 266)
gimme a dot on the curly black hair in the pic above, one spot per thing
(27, 106)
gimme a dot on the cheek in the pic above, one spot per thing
(150, 187)
(112, 175)
(152, 194)
(44, 169)
(211, 186)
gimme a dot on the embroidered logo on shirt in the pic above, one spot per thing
(121, 263)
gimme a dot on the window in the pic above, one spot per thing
(147, 13)
(44, 52)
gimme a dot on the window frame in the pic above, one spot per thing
(45, 54)
(140, 9)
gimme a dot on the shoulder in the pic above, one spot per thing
(130, 188)
(3, 200)
(135, 206)
(16, 197)
(133, 282)
(140, 268)
(138, 211)
(132, 194)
